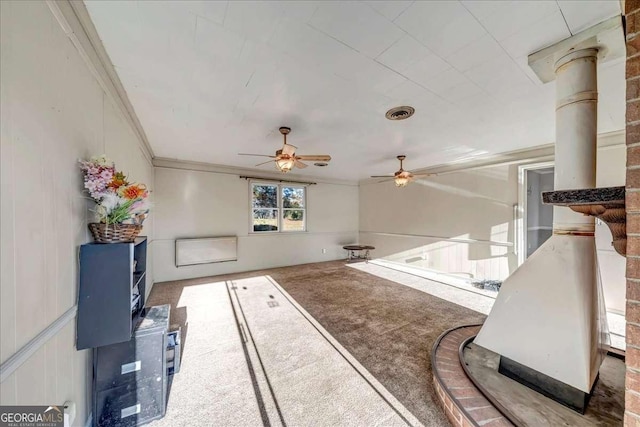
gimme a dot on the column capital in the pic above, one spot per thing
(606, 38)
(574, 54)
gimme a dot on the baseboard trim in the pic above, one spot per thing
(27, 350)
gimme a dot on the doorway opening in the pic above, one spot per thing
(536, 219)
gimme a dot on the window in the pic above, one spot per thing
(277, 208)
(293, 208)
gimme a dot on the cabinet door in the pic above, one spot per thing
(130, 405)
(104, 298)
(137, 359)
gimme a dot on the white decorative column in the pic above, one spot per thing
(548, 321)
(576, 134)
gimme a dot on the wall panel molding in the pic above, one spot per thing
(27, 350)
(440, 238)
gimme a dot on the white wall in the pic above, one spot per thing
(476, 205)
(610, 173)
(53, 112)
(473, 205)
(191, 203)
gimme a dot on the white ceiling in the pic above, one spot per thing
(211, 79)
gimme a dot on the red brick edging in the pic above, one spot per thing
(461, 400)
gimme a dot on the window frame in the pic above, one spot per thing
(280, 208)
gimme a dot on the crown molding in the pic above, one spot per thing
(612, 139)
(75, 21)
(161, 162)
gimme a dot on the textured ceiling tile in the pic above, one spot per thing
(404, 53)
(582, 15)
(216, 42)
(357, 25)
(422, 71)
(214, 11)
(479, 51)
(504, 18)
(500, 74)
(443, 26)
(256, 20)
(390, 9)
(531, 39)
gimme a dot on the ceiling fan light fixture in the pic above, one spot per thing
(286, 157)
(401, 181)
(285, 164)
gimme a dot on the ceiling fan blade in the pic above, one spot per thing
(264, 163)
(299, 164)
(315, 157)
(421, 175)
(386, 180)
(382, 176)
(256, 155)
(289, 149)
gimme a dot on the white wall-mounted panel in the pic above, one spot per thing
(206, 250)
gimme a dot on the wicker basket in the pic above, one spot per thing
(114, 233)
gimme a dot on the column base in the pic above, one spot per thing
(562, 393)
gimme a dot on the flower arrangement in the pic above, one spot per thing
(118, 201)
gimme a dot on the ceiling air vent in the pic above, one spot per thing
(400, 113)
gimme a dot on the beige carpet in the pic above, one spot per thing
(389, 328)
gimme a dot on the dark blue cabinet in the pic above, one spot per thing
(129, 340)
(112, 292)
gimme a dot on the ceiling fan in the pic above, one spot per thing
(286, 158)
(402, 177)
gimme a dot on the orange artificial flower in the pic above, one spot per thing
(133, 191)
(119, 180)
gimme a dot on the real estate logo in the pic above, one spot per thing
(31, 416)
